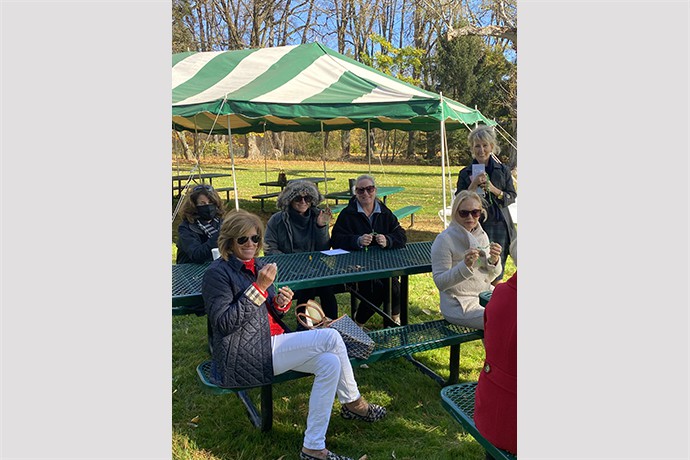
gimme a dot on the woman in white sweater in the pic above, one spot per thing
(464, 262)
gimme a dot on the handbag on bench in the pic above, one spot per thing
(359, 344)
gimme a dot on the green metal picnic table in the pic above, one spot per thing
(315, 269)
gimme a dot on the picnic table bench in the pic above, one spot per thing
(407, 211)
(227, 191)
(458, 400)
(265, 196)
(391, 343)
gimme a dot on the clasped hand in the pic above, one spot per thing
(366, 239)
(472, 254)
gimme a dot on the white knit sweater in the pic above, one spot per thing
(459, 286)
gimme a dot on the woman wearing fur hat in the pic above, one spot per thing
(300, 226)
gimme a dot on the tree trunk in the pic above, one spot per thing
(345, 144)
(410, 144)
(185, 146)
(251, 149)
(278, 141)
(430, 147)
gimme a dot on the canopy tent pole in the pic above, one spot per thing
(232, 165)
(443, 157)
(369, 144)
(323, 158)
(263, 149)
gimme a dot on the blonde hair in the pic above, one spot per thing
(465, 195)
(236, 224)
(484, 133)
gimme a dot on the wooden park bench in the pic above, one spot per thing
(391, 343)
(265, 196)
(458, 400)
(407, 211)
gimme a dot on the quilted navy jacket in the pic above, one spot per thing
(238, 317)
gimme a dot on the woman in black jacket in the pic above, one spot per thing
(365, 222)
(250, 345)
(202, 214)
(494, 185)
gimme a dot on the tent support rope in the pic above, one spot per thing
(323, 158)
(263, 150)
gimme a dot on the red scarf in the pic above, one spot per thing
(275, 327)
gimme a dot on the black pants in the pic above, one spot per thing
(376, 291)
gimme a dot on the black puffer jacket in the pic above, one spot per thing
(240, 327)
(351, 224)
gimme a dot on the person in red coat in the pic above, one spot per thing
(495, 411)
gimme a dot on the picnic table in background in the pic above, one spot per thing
(381, 192)
(265, 196)
(315, 180)
(184, 177)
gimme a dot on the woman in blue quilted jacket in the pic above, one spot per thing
(251, 344)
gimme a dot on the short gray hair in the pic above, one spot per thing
(297, 188)
(362, 177)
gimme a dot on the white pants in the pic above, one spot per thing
(320, 352)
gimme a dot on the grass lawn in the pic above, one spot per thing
(216, 427)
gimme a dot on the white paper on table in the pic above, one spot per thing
(335, 252)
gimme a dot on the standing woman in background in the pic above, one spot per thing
(202, 213)
(300, 226)
(495, 187)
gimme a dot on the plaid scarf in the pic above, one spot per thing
(208, 229)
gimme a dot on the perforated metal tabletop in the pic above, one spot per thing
(314, 269)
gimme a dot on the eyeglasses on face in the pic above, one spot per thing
(369, 189)
(307, 199)
(202, 187)
(475, 213)
(243, 239)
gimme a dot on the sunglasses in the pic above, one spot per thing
(475, 213)
(243, 239)
(369, 189)
(307, 199)
(202, 187)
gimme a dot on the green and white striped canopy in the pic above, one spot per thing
(297, 88)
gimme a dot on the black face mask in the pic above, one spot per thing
(206, 211)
